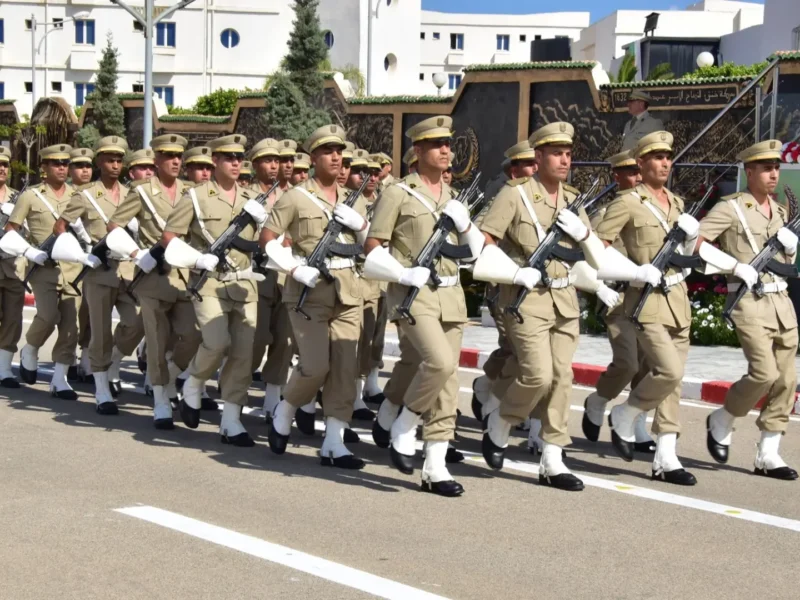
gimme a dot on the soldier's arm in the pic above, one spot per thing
(714, 224)
(616, 217)
(498, 216)
(130, 207)
(74, 211)
(384, 218)
(20, 213)
(283, 213)
(179, 221)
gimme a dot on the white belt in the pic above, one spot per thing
(768, 288)
(562, 282)
(670, 280)
(335, 263)
(449, 281)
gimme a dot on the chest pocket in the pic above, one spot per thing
(213, 223)
(413, 220)
(526, 236)
(759, 235)
(648, 231)
(311, 222)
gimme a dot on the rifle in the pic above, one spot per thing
(12, 201)
(765, 260)
(228, 239)
(550, 248)
(157, 252)
(437, 245)
(669, 257)
(47, 248)
(328, 246)
(100, 250)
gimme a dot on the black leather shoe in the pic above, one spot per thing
(208, 404)
(243, 440)
(623, 448)
(350, 437)
(590, 431)
(492, 453)
(363, 414)
(27, 376)
(107, 408)
(10, 382)
(190, 416)
(402, 462)
(277, 442)
(305, 421)
(348, 461)
(448, 489)
(645, 447)
(64, 394)
(380, 436)
(678, 477)
(164, 424)
(116, 388)
(72, 373)
(453, 456)
(376, 399)
(719, 452)
(783, 473)
(566, 481)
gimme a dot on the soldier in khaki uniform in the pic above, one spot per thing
(766, 326)
(103, 289)
(246, 174)
(641, 123)
(167, 312)
(404, 219)
(141, 164)
(198, 165)
(410, 161)
(347, 157)
(327, 342)
(300, 168)
(227, 312)
(288, 148)
(385, 178)
(80, 166)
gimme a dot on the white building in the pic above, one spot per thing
(780, 30)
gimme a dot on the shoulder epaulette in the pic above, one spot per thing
(732, 196)
(519, 181)
(782, 210)
(85, 186)
(569, 188)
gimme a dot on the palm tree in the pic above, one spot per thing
(660, 72)
(627, 70)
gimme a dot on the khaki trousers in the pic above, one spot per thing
(403, 372)
(12, 301)
(327, 346)
(373, 329)
(227, 328)
(168, 326)
(101, 301)
(493, 366)
(54, 309)
(273, 330)
(624, 357)
(664, 350)
(435, 349)
(84, 330)
(771, 372)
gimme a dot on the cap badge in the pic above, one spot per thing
(439, 122)
(333, 128)
(114, 140)
(173, 139)
(562, 127)
(772, 145)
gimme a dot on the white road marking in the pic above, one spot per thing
(282, 555)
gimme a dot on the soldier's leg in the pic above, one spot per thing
(64, 348)
(279, 357)
(379, 339)
(12, 301)
(263, 334)
(186, 334)
(493, 367)
(237, 373)
(84, 336)
(369, 322)
(156, 325)
(44, 323)
(101, 299)
(127, 334)
(395, 390)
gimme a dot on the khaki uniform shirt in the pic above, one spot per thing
(629, 219)
(638, 127)
(406, 224)
(386, 182)
(597, 218)
(172, 284)
(274, 281)
(13, 268)
(304, 223)
(722, 223)
(216, 212)
(508, 220)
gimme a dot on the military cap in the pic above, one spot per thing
(5, 155)
(382, 158)
(349, 148)
(198, 154)
(361, 158)
(373, 164)
(767, 150)
(228, 143)
(640, 95)
(169, 143)
(55, 152)
(112, 144)
(326, 135)
(266, 147)
(658, 141)
(435, 128)
(81, 155)
(145, 156)
(621, 160)
(558, 133)
(409, 158)
(505, 164)
(302, 161)
(287, 147)
(521, 151)
(247, 168)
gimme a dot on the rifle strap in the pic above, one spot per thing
(149, 204)
(422, 200)
(322, 207)
(540, 233)
(46, 203)
(96, 206)
(747, 232)
(196, 205)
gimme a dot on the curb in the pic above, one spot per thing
(29, 301)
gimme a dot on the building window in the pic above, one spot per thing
(453, 81)
(456, 41)
(58, 23)
(82, 90)
(422, 76)
(537, 37)
(28, 24)
(138, 88)
(55, 86)
(2, 32)
(166, 93)
(523, 38)
(28, 87)
(84, 32)
(2, 90)
(503, 42)
(165, 35)
(137, 26)
(230, 38)
(436, 35)
(328, 39)
(422, 35)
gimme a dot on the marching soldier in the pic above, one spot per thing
(265, 156)
(302, 163)
(246, 174)
(141, 164)
(327, 341)
(447, 176)
(198, 165)
(410, 161)
(288, 148)
(385, 178)
(347, 157)
(404, 218)
(641, 123)
(766, 325)
(80, 166)
(372, 170)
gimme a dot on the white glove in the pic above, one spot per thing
(459, 213)
(6, 208)
(788, 240)
(607, 296)
(527, 277)
(133, 226)
(255, 210)
(746, 273)
(145, 261)
(572, 225)
(306, 275)
(81, 232)
(647, 273)
(415, 277)
(348, 217)
(91, 261)
(35, 255)
(689, 225)
(207, 262)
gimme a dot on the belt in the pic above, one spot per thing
(449, 281)
(562, 282)
(335, 263)
(670, 280)
(768, 288)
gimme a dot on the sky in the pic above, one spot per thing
(598, 8)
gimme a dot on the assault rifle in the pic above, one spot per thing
(765, 260)
(328, 246)
(100, 250)
(157, 252)
(437, 245)
(47, 248)
(230, 239)
(549, 248)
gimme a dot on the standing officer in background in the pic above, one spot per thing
(641, 122)
(141, 164)
(302, 163)
(197, 164)
(80, 166)
(287, 150)
(265, 156)
(766, 326)
(246, 174)
(347, 157)
(385, 178)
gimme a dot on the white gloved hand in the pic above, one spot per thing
(306, 275)
(607, 296)
(145, 261)
(207, 262)
(81, 232)
(6, 208)
(689, 225)
(255, 210)
(91, 261)
(459, 213)
(788, 240)
(746, 273)
(35, 255)
(572, 225)
(647, 273)
(133, 227)
(348, 217)
(527, 277)
(415, 277)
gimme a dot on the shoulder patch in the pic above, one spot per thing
(246, 193)
(569, 188)
(732, 196)
(519, 181)
(85, 186)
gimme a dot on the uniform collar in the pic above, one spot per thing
(543, 194)
(642, 116)
(310, 184)
(748, 202)
(646, 195)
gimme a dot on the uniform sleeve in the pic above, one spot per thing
(283, 214)
(716, 222)
(180, 219)
(361, 206)
(127, 209)
(386, 212)
(616, 217)
(21, 209)
(500, 213)
(75, 209)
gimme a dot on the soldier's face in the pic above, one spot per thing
(286, 168)
(636, 107)
(55, 171)
(299, 176)
(169, 163)
(434, 154)
(763, 178)
(627, 178)
(344, 173)
(81, 173)
(355, 179)
(267, 168)
(554, 162)
(138, 172)
(328, 163)
(372, 184)
(387, 168)
(523, 168)
(198, 173)
(110, 165)
(227, 165)
(447, 176)
(655, 167)
(3, 172)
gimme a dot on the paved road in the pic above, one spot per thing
(202, 520)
